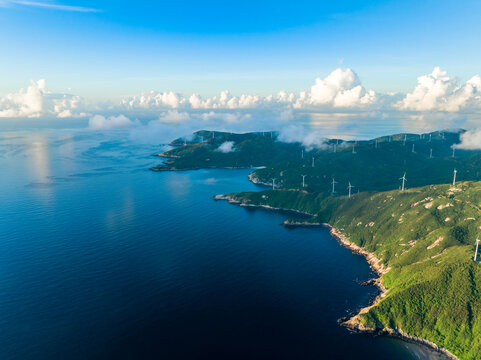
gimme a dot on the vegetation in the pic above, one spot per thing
(425, 235)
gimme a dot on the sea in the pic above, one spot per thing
(101, 258)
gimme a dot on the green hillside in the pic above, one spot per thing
(376, 164)
(426, 236)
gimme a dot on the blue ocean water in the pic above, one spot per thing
(102, 259)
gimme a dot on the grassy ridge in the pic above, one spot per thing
(426, 237)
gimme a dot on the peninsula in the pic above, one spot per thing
(420, 240)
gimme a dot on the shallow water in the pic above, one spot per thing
(102, 258)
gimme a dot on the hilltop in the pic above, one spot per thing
(376, 164)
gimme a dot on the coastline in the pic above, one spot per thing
(353, 323)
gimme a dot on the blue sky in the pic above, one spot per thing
(124, 47)
(157, 66)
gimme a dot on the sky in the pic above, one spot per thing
(74, 58)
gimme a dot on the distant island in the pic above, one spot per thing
(409, 203)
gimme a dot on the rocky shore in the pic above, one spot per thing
(354, 323)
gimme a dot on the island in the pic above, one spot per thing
(409, 203)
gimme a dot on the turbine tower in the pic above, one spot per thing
(404, 141)
(273, 184)
(430, 137)
(334, 182)
(431, 153)
(375, 144)
(350, 187)
(454, 177)
(404, 180)
(354, 148)
(476, 252)
(413, 149)
(453, 152)
(313, 161)
(303, 183)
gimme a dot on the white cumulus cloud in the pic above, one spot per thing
(27, 102)
(154, 100)
(299, 134)
(470, 140)
(226, 147)
(340, 89)
(100, 122)
(440, 92)
(36, 101)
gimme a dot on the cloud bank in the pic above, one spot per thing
(339, 100)
(99, 122)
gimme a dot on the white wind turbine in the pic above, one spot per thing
(404, 180)
(273, 184)
(413, 149)
(404, 141)
(334, 182)
(350, 187)
(454, 149)
(454, 177)
(354, 148)
(431, 153)
(476, 252)
(303, 183)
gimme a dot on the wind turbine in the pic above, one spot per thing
(334, 182)
(454, 149)
(350, 187)
(405, 138)
(375, 144)
(354, 148)
(313, 161)
(404, 180)
(431, 153)
(273, 184)
(303, 183)
(430, 135)
(476, 252)
(454, 177)
(302, 154)
(413, 149)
